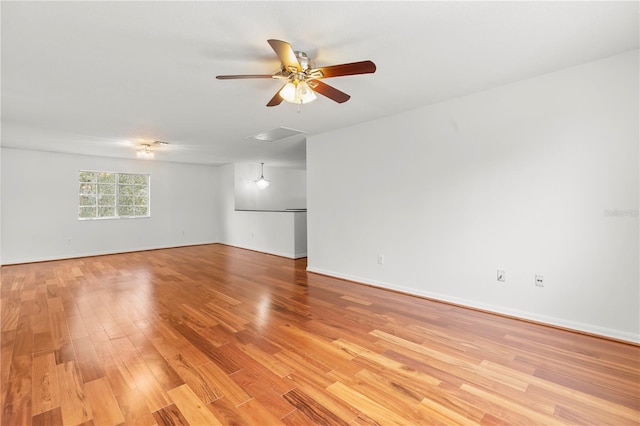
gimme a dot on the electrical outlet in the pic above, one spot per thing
(502, 276)
(380, 259)
(539, 281)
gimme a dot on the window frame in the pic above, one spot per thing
(116, 193)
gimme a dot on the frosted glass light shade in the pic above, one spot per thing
(297, 92)
(262, 183)
(288, 92)
(144, 153)
(304, 94)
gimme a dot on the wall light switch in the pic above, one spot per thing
(502, 276)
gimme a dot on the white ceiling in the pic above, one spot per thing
(94, 77)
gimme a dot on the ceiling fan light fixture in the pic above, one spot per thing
(304, 78)
(298, 92)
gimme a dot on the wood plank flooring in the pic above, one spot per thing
(210, 335)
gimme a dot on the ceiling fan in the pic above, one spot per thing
(301, 77)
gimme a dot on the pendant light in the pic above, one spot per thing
(262, 182)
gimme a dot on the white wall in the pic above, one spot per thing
(39, 207)
(537, 177)
(268, 232)
(1, 207)
(287, 188)
(300, 234)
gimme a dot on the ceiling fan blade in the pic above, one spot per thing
(276, 100)
(329, 91)
(235, 77)
(362, 67)
(285, 53)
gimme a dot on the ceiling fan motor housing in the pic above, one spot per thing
(304, 61)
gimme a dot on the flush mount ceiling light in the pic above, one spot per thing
(262, 182)
(145, 152)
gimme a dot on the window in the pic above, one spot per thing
(107, 195)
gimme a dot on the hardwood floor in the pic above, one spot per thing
(210, 335)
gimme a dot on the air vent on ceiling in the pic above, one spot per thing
(276, 134)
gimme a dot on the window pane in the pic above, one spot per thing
(87, 176)
(87, 200)
(106, 211)
(107, 200)
(106, 189)
(126, 190)
(85, 212)
(140, 179)
(126, 178)
(140, 201)
(105, 177)
(141, 191)
(141, 211)
(87, 188)
(125, 211)
(125, 200)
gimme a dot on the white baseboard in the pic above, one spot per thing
(530, 316)
(268, 251)
(100, 253)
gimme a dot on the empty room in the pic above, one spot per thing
(320, 213)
